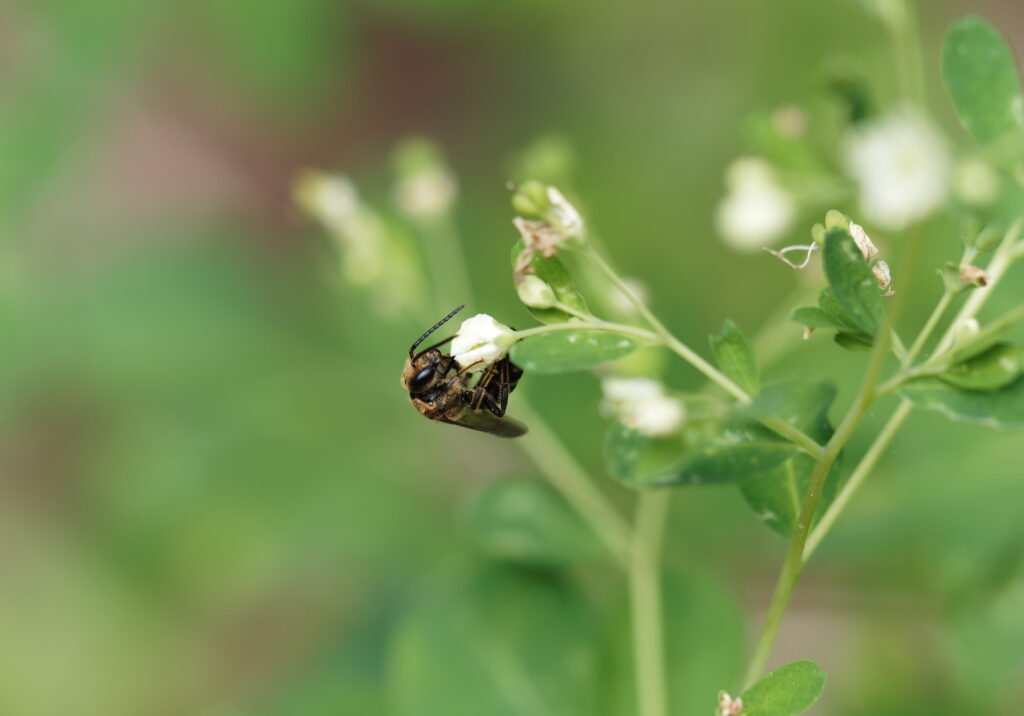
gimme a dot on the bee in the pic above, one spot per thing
(441, 391)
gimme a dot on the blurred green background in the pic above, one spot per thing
(214, 496)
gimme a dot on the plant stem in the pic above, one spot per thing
(929, 326)
(670, 341)
(798, 437)
(572, 311)
(592, 325)
(569, 478)
(1005, 255)
(863, 469)
(793, 565)
(645, 600)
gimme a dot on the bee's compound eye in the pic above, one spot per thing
(421, 380)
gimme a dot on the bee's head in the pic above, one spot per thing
(422, 370)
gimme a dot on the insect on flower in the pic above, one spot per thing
(440, 390)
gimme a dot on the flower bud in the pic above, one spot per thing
(883, 278)
(481, 341)
(864, 243)
(974, 275)
(531, 200)
(426, 189)
(535, 292)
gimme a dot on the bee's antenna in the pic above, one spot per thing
(434, 328)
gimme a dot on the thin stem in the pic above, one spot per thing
(569, 478)
(863, 469)
(645, 600)
(929, 326)
(798, 437)
(572, 311)
(671, 342)
(591, 325)
(792, 567)
(1005, 255)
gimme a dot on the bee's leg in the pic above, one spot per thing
(463, 374)
(482, 391)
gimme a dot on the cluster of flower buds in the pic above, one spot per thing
(641, 404)
(729, 706)
(547, 223)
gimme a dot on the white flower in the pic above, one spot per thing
(641, 404)
(621, 303)
(481, 340)
(426, 194)
(729, 706)
(535, 292)
(901, 165)
(756, 209)
(976, 182)
(333, 200)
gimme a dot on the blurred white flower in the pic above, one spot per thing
(481, 340)
(641, 404)
(332, 199)
(729, 706)
(756, 209)
(975, 182)
(621, 303)
(901, 165)
(535, 292)
(426, 194)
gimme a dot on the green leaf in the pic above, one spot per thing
(996, 368)
(815, 317)
(525, 520)
(697, 612)
(735, 357)
(507, 642)
(564, 351)
(852, 341)
(704, 455)
(790, 689)
(851, 281)
(830, 304)
(981, 78)
(553, 272)
(777, 496)
(1003, 408)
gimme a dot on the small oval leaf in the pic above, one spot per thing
(852, 283)
(790, 689)
(735, 357)
(703, 457)
(564, 351)
(1001, 409)
(996, 368)
(981, 78)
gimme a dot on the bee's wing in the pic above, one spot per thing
(486, 422)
